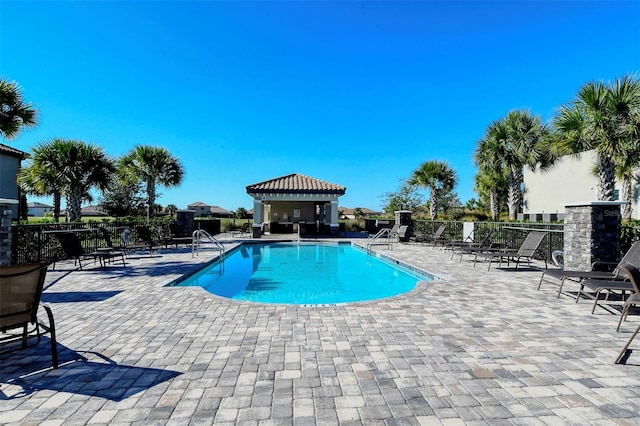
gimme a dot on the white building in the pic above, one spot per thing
(571, 180)
(203, 210)
(39, 209)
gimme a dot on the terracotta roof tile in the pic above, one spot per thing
(296, 183)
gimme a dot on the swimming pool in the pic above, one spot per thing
(305, 273)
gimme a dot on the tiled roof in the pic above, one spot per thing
(219, 210)
(7, 150)
(36, 204)
(198, 204)
(296, 183)
(364, 210)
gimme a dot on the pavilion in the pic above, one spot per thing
(295, 203)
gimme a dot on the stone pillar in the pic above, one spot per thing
(185, 223)
(6, 214)
(257, 218)
(403, 218)
(591, 233)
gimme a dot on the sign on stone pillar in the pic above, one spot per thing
(591, 233)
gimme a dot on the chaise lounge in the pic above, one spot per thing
(527, 250)
(560, 276)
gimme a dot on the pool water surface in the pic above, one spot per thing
(304, 273)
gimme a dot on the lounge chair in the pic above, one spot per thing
(527, 250)
(73, 250)
(390, 234)
(453, 243)
(472, 247)
(560, 276)
(148, 241)
(20, 292)
(177, 237)
(434, 238)
(631, 271)
(108, 242)
(402, 232)
(600, 286)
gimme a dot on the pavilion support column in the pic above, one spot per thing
(333, 217)
(591, 233)
(257, 218)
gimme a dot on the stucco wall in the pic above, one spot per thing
(307, 211)
(9, 167)
(571, 180)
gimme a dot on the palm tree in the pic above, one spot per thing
(439, 177)
(40, 177)
(15, 114)
(526, 146)
(517, 141)
(627, 172)
(602, 118)
(70, 168)
(491, 179)
(152, 166)
(172, 209)
(357, 213)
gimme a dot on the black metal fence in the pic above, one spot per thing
(38, 242)
(512, 234)
(504, 234)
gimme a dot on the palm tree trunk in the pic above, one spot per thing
(433, 208)
(493, 204)
(74, 201)
(627, 191)
(151, 198)
(515, 181)
(56, 205)
(606, 178)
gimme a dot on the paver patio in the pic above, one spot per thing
(477, 347)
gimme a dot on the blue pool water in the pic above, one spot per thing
(304, 274)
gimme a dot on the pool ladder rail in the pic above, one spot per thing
(385, 236)
(200, 234)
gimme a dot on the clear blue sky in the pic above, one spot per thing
(355, 93)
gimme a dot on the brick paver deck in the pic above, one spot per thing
(477, 347)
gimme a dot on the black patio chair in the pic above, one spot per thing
(20, 293)
(73, 250)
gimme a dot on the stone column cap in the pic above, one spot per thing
(594, 203)
(403, 211)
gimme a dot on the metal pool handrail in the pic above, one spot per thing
(195, 245)
(381, 233)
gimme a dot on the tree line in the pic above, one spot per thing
(603, 117)
(72, 168)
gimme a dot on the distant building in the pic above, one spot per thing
(89, 211)
(10, 159)
(39, 209)
(348, 213)
(93, 211)
(205, 210)
(571, 180)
